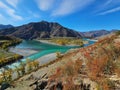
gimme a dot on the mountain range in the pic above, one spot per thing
(46, 29)
(96, 33)
(5, 26)
(41, 29)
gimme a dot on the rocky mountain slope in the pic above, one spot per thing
(5, 26)
(41, 29)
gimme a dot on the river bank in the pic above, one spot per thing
(85, 42)
(46, 58)
(48, 42)
(33, 50)
(22, 51)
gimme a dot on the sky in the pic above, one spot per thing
(80, 15)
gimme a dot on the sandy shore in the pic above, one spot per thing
(22, 51)
(47, 58)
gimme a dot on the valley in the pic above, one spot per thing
(59, 44)
(25, 48)
(67, 59)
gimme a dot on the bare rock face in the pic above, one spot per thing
(41, 29)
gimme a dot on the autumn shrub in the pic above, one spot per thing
(111, 84)
(68, 69)
(6, 76)
(117, 64)
(66, 74)
(58, 55)
(69, 85)
(105, 84)
(109, 68)
(32, 65)
(78, 66)
(118, 32)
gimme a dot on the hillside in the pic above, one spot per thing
(5, 26)
(41, 29)
(96, 67)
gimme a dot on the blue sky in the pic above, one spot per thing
(80, 15)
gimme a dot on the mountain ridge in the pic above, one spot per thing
(97, 33)
(46, 29)
(41, 29)
(5, 26)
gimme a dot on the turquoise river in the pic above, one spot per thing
(42, 49)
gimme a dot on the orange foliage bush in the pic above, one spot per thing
(77, 66)
(69, 85)
(66, 74)
(96, 67)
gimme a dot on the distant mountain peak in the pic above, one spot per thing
(5, 26)
(43, 21)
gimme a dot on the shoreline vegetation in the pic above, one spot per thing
(64, 41)
(9, 76)
(7, 57)
(7, 41)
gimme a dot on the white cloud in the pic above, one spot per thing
(45, 5)
(107, 4)
(1, 17)
(13, 15)
(36, 15)
(70, 6)
(13, 3)
(110, 11)
(4, 20)
(10, 12)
